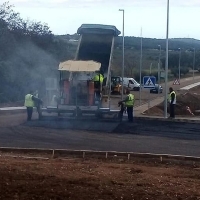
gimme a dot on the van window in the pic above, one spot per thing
(131, 82)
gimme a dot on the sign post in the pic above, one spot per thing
(149, 82)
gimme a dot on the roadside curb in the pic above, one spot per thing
(17, 111)
(166, 119)
(63, 153)
(14, 111)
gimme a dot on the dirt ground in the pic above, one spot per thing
(96, 179)
(185, 99)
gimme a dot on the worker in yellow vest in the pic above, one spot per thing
(98, 77)
(172, 102)
(129, 103)
(30, 103)
(98, 83)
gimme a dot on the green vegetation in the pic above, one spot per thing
(30, 52)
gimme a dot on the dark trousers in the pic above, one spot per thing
(29, 113)
(39, 111)
(130, 113)
(172, 112)
(122, 110)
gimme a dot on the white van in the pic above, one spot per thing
(132, 84)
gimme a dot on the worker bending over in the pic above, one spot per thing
(37, 104)
(129, 103)
(30, 102)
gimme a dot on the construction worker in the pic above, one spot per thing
(129, 103)
(98, 78)
(37, 103)
(36, 94)
(122, 110)
(30, 101)
(172, 102)
(98, 83)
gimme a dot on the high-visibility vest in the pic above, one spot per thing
(98, 77)
(170, 97)
(130, 101)
(28, 101)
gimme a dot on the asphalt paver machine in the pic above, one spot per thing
(78, 94)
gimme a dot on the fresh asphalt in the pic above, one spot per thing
(143, 136)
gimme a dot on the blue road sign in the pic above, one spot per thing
(149, 81)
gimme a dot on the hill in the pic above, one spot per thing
(148, 43)
(151, 52)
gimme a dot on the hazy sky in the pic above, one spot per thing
(65, 16)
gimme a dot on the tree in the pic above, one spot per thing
(28, 54)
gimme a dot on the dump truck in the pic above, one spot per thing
(78, 94)
(97, 43)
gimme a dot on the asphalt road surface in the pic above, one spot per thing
(144, 136)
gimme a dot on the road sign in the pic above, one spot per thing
(149, 81)
(176, 82)
(162, 74)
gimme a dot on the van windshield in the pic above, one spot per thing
(131, 82)
(134, 81)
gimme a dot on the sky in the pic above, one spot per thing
(66, 16)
